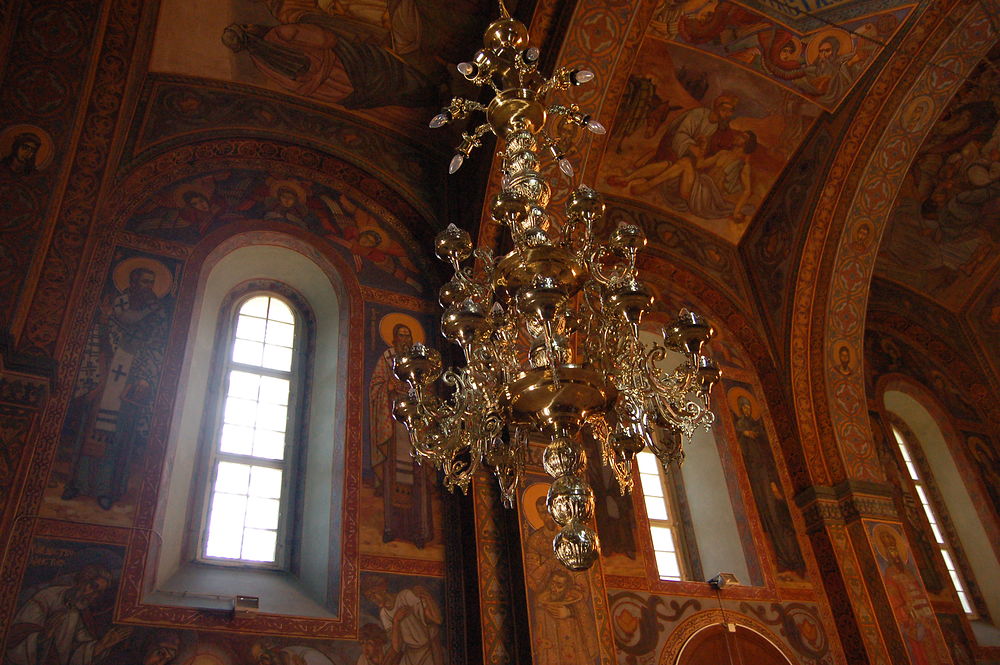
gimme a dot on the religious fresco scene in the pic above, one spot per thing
(361, 230)
(65, 615)
(944, 235)
(707, 140)
(381, 59)
(711, 140)
(818, 178)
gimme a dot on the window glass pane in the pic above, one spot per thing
(948, 563)
(663, 538)
(281, 334)
(250, 328)
(255, 306)
(912, 469)
(232, 478)
(237, 440)
(272, 417)
(938, 536)
(922, 495)
(277, 357)
(225, 532)
(651, 485)
(668, 565)
(244, 384)
(270, 445)
(273, 390)
(247, 353)
(258, 545)
(655, 509)
(265, 482)
(262, 513)
(648, 463)
(903, 451)
(240, 411)
(966, 606)
(280, 312)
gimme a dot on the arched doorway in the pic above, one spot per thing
(716, 645)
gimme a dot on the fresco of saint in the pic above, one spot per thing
(402, 483)
(109, 417)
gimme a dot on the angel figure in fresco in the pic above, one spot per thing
(563, 619)
(412, 619)
(114, 389)
(640, 106)
(700, 162)
(362, 234)
(191, 209)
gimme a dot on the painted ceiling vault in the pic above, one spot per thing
(706, 102)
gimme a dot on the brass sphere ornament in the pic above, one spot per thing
(550, 331)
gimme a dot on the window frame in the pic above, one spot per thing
(295, 427)
(674, 521)
(921, 484)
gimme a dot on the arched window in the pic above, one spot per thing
(229, 416)
(947, 552)
(932, 459)
(247, 502)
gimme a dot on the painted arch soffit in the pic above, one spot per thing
(708, 109)
(942, 238)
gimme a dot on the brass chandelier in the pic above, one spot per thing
(550, 330)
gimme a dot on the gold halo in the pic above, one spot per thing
(163, 280)
(393, 319)
(529, 497)
(296, 187)
(45, 149)
(842, 37)
(733, 395)
(901, 546)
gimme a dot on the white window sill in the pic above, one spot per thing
(213, 588)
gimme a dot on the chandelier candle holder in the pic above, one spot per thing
(550, 330)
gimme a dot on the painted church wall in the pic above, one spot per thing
(108, 478)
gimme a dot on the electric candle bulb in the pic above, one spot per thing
(440, 120)
(583, 76)
(595, 127)
(456, 163)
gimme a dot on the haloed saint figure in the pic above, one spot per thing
(109, 415)
(403, 485)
